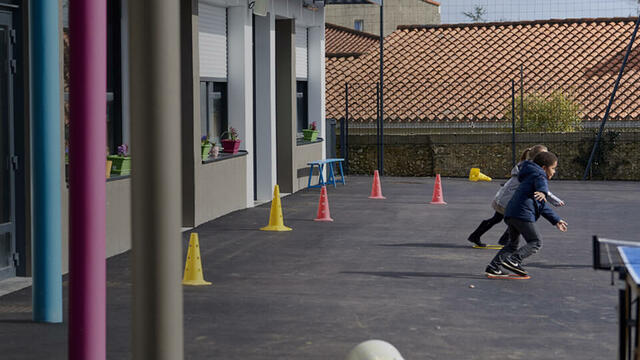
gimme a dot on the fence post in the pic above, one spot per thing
(344, 129)
(378, 123)
(381, 102)
(513, 123)
(521, 98)
(343, 151)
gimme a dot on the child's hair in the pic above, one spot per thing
(531, 152)
(545, 158)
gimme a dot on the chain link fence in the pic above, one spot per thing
(448, 128)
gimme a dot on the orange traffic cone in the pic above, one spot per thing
(438, 199)
(323, 207)
(376, 189)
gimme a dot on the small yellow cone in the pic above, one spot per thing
(483, 177)
(276, 222)
(476, 175)
(193, 267)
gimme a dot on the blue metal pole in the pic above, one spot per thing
(47, 154)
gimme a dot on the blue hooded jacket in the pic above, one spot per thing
(522, 205)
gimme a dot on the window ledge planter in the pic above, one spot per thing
(310, 135)
(230, 146)
(205, 149)
(120, 165)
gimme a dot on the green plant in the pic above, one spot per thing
(231, 134)
(206, 140)
(552, 112)
(602, 166)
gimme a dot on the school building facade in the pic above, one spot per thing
(262, 75)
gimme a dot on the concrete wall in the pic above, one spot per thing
(118, 237)
(454, 154)
(396, 12)
(220, 188)
(304, 154)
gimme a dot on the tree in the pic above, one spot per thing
(477, 15)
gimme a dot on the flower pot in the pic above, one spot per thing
(215, 151)
(205, 150)
(230, 146)
(310, 135)
(121, 165)
(109, 164)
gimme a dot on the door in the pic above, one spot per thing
(8, 160)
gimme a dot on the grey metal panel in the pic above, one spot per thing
(212, 33)
(302, 51)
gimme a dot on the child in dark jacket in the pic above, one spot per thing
(503, 196)
(523, 211)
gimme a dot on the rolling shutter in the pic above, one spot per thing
(301, 52)
(212, 41)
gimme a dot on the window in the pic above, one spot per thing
(213, 109)
(115, 130)
(358, 25)
(301, 106)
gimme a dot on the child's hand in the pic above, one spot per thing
(539, 196)
(562, 225)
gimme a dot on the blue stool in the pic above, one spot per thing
(331, 179)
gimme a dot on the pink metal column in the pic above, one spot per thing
(87, 209)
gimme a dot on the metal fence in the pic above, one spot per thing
(449, 127)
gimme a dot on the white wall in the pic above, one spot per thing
(265, 106)
(316, 81)
(293, 9)
(240, 84)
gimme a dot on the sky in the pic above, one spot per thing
(451, 11)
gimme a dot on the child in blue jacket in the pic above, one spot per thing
(503, 196)
(523, 211)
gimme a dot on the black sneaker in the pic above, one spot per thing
(477, 242)
(514, 266)
(496, 272)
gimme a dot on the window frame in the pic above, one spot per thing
(359, 22)
(222, 85)
(302, 117)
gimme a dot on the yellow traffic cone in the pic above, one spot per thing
(193, 267)
(483, 177)
(476, 175)
(276, 222)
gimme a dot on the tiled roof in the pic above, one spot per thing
(463, 72)
(341, 41)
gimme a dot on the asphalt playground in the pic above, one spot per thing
(398, 270)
